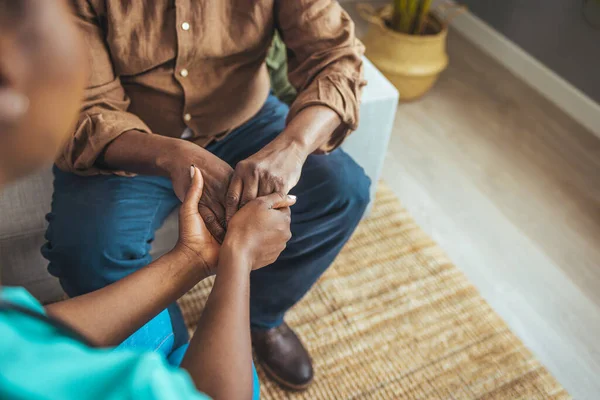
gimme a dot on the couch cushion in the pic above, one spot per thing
(23, 205)
(166, 237)
(23, 265)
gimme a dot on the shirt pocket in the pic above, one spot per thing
(236, 28)
(143, 38)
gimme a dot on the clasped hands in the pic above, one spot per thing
(244, 212)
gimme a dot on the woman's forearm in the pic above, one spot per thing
(219, 358)
(109, 315)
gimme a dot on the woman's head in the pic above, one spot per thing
(42, 76)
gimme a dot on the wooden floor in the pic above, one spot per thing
(509, 186)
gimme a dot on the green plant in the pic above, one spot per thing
(410, 16)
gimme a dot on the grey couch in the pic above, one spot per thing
(23, 205)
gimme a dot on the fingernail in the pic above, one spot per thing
(292, 197)
(192, 170)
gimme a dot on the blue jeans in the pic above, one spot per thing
(101, 228)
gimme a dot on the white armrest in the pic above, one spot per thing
(368, 145)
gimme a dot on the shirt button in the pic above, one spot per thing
(185, 26)
(187, 117)
(184, 72)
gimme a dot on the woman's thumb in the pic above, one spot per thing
(279, 200)
(192, 197)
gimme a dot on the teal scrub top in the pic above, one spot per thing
(39, 361)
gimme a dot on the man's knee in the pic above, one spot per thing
(100, 227)
(86, 255)
(347, 185)
(358, 191)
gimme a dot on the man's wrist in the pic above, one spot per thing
(294, 142)
(169, 160)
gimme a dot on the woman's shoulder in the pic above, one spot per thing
(21, 297)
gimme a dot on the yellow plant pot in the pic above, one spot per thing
(411, 62)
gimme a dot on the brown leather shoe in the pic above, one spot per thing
(283, 357)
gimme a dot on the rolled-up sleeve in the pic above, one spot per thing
(324, 60)
(104, 115)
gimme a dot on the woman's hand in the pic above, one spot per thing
(194, 238)
(259, 231)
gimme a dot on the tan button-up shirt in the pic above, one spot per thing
(161, 66)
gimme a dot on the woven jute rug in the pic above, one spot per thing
(394, 319)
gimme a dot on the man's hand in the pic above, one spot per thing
(141, 153)
(275, 168)
(216, 174)
(194, 238)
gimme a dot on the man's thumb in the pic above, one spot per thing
(192, 197)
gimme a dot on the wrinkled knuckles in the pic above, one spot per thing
(277, 181)
(232, 200)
